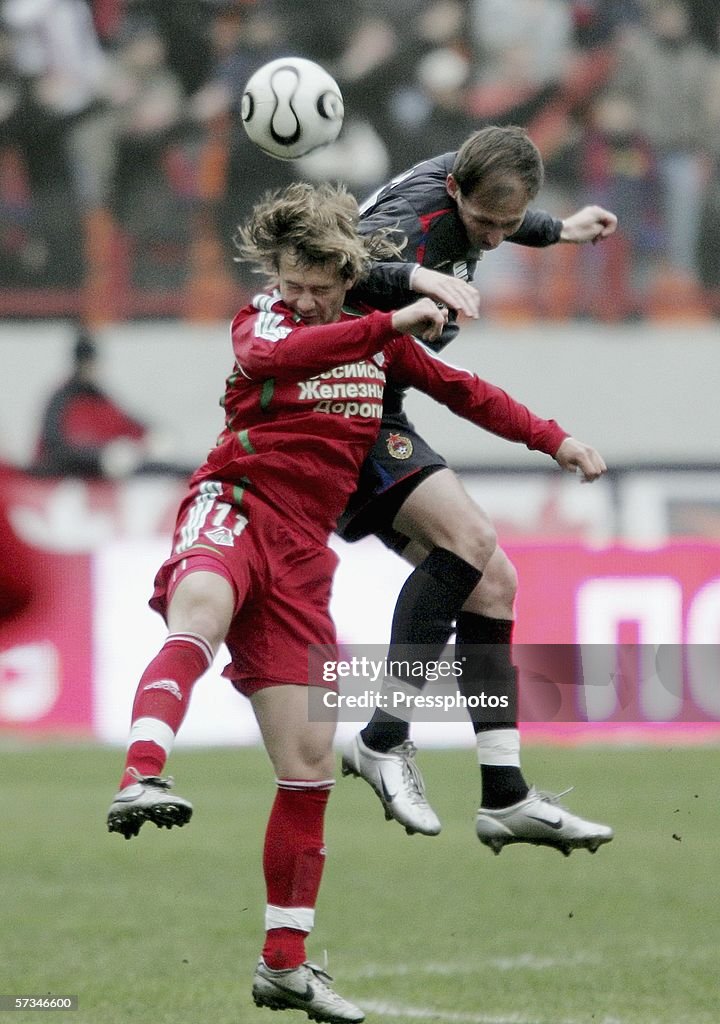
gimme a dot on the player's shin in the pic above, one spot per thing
(161, 703)
(293, 862)
(424, 616)
(483, 645)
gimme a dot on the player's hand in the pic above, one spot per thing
(453, 291)
(576, 457)
(424, 318)
(588, 225)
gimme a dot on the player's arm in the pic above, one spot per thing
(402, 283)
(385, 286)
(270, 345)
(577, 457)
(458, 295)
(589, 224)
(537, 230)
(390, 285)
(488, 407)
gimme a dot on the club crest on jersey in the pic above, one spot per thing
(399, 447)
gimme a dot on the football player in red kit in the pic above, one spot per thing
(250, 565)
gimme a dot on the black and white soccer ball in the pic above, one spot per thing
(292, 106)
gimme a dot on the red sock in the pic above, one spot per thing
(293, 861)
(161, 701)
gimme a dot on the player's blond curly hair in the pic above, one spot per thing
(317, 225)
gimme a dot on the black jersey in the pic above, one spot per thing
(417, 208)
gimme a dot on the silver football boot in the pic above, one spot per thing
(539, 819)
(303, 988)
(396, 779)
(147, 799)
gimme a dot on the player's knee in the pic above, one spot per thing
(315, 760)
(500, 579)
(202, 604)
(207, 624)
(476, 542)
(207, 619)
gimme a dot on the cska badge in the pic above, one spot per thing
(399, 447)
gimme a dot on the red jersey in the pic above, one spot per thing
(303, 406)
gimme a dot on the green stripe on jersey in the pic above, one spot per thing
(243, 437)
(238, 493)
(268, 390)
(351, 311)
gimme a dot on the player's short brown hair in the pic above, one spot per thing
(494, 157)
(317, 224)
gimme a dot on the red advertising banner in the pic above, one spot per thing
(48, 679)
(627, 640)
(46, 654)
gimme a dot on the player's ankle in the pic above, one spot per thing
(383, 736)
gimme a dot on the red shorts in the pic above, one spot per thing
(282, 580)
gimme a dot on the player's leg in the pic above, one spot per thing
(449, 562)
(449, 559)
(197, 592)
(483, 644)
(407, 494)
(294, 855)
(268, 643)
(439, 514)
(511, 811)
(198, 616)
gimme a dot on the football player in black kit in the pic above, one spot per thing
(451, 209)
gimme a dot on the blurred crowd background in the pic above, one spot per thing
(124, 167)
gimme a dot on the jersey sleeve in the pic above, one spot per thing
(267, 343)
(467, 395)
(537, 230)
(385, 286)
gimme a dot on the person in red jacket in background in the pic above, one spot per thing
(84, 432)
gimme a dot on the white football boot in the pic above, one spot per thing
(396, 779)
(303, 988)
(539, 819)
(147, 799)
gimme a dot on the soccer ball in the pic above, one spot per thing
(292, 106)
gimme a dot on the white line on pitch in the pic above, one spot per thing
(526, 961)
(401, 1012)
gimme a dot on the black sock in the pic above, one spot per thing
(484, 645)
(502, 785)
(424, 616)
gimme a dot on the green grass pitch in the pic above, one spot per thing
(166, 928)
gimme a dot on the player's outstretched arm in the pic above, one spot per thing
(588, 225)
(577, 457)
(453, 291)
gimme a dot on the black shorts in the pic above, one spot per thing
(398, 462)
